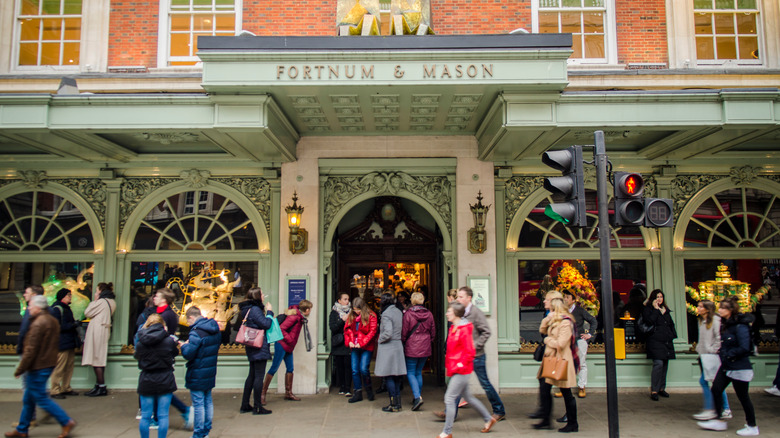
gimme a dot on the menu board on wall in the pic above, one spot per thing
(297, 289)
(480, 285)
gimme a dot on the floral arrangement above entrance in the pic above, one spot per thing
(573, 275)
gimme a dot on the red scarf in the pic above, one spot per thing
(161, 309)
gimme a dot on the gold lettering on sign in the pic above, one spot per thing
(398, 72)
(346, 72)
(429, 73)
(306, 71)
(368, 73)
(333, 72)
(487, 70)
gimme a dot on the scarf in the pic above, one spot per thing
(306, 334)
(574, 349)
(342, 310)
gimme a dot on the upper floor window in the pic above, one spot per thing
(727, 30)
(48, 32)
(589, 21)
(186, 20)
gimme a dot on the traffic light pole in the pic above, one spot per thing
(600, 157)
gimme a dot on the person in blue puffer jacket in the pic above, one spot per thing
(201, 351)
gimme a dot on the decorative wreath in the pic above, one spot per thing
(573, 275)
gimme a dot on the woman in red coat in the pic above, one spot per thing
(283, 350)
(459, 364)
(360, 335)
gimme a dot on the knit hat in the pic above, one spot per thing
(61, 293)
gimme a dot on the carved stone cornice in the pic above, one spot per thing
(32, 179)
(339, 190)
(516, 190)
(744, 175)
(195, 178)
(257, 190)
(92, 190)
(685, 186)
(133, 191)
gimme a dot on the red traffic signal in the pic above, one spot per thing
(629, 185)
(629, 203)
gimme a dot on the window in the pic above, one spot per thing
(186, 20)
(49, 32)
(726, 30)
(589, 21)
(189, 202)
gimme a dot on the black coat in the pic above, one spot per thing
(69, 335)
(256, 317)
(155, 352)
(336, 324)
(659, 343)
(735, 346)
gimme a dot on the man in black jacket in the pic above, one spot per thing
(69, 341)
(580, 317)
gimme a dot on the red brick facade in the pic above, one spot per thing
(641, 31)
(132, 36)
(473, 17)
(299, 18)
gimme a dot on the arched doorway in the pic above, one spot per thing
(392, 243)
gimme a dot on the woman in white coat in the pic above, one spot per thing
(101, 314)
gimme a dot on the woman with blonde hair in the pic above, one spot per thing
(559, 329)
(155, 351)
(101, 314)
(707, 347)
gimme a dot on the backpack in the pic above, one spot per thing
(280, 318)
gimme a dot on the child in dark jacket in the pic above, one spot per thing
(155, 351)
(201, 351)
(283, 351)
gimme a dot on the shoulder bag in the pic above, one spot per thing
(539, 352)
(554, 368)
(251, 337)
(275, 332)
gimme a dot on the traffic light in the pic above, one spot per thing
(659, 213)
(629, 203)
(570, 186)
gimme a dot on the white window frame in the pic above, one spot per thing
(738, 62)
(93, 48)
(610, 34)
(163, 58)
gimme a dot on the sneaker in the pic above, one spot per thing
(138, 415)
(726, 414)
(189, 418)
(748, 431)
(342, 392)
(707, 414)
(713, 425)
(463, 404)
(347, 394)
(773, 391)
(153, 425)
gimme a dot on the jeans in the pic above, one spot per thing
(480, 369)
(414, 367)
(343, 369)
(459, 387)
(741, 388)
(709, 403)
(279, 356)
(35, 394)
(204, 413)
(147, 409)
(658, 375)
(254, 383)
(393, 386)
(360, 361)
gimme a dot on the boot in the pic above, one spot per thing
(92, 392)
(97, 391)
(369, 390)
(266, 384)
(288, 382)
(259, 410)
(357, 396)
(398, 403)
(391, 406)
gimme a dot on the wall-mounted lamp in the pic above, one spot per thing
(299, 238)
(477, 236)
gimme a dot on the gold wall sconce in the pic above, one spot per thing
(299, 238)
(477, 239)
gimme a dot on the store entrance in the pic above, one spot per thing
(390, 250)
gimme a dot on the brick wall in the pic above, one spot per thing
(641, 31)
(298, 18)
(475, 17)
(132, 35)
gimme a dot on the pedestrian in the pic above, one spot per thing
(418, 336)
(29, 293)
(294, 321)
(155, 352)
(39, 356)
(540, 408)
(390, 362)
(101, 315)
(560, 330)
(775, 388)
(708, 346)
(257, 315)
(201, 351)
(338, 350)
(735, 367)
(583, 337)
(360, 336)
(459, 364)
(69, 341)
(162, 301)
(657, 317)
(481, 335)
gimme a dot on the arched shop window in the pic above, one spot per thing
(736, 231)
(570, 256)
(45, 239)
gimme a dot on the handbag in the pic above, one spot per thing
(275, 332)
(710, 363)
(554, 368)
(539, 352)
(251, 337)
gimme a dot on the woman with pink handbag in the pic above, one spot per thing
(255, 315)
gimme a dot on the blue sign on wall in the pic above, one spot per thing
(296, 290)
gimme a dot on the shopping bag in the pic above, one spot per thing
(274, 333)
(554, 368)
(710, 363)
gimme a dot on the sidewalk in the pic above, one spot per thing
(331, 416)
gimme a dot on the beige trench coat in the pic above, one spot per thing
(98, 331)
(558, 343)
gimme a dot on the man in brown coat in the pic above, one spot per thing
(39, 356)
